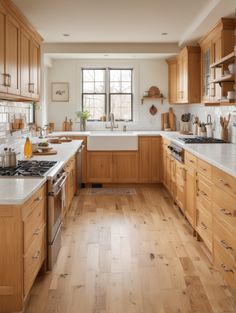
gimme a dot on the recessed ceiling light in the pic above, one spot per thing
(66, 35)
(164, 34)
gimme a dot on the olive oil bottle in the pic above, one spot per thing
(28, 149)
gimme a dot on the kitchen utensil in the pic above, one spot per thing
(50, 152)
(203, 131)
(166, 120)
(195, 125)
(8, 158)
(209, 126)
(172, 119)
(153, 110)
(185, 127)
(224, 122)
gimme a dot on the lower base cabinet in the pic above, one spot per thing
(22, 249)
(70, 186)
(108, 167)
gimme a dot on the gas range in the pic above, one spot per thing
(190, 140)
(28, 169)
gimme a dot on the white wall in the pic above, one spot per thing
(146, 74)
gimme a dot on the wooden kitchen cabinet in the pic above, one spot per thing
(19, 55)
(150, 159)
(180, 186)
(190, 195)
(99, 167)
(112, 167)
(172, 79)
(215, 45)
(184, 76)
(22, 249)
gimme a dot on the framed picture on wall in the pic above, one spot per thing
(60, 92)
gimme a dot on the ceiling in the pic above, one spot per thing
(126, 21)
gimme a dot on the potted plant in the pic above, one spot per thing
(83, 116)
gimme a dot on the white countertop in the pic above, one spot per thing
(15, 191)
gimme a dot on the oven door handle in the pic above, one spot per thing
(59, 188)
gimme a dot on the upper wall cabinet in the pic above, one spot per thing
(184, 76)
(218, 43)
(19, 55)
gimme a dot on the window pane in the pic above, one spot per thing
(121, 107)
(126, 87)
(88, 87)
(95, 104)
(100, 75)
(115, 75)
(88, 75)
(126, 75)
(115, 87)
(99, 87)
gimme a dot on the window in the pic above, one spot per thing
(108, 90)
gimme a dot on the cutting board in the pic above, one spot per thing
(172, 120)
(66, 126)
(166, 123)
(49, 152)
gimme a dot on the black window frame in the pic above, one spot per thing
(107, 93)
(123, 93)
(94, 93)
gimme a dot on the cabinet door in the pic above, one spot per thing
(25, 64)
(185, 77)
(173, 177)
(13, 55)
(179, 79)
(190, 195)
(216, 72)
(35, 70)
(125, 167)
(172, 80)
(99, 167)
(168, 171)
(3, 88)
(180, 185)
(155, 159)
(145, 160)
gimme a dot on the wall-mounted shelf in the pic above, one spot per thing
(153, 98)
(226, 78)
(220, 103)
(225, 60)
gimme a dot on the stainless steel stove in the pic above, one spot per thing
(28, 169)
(201, 140)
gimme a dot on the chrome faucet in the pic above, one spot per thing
(112, 121)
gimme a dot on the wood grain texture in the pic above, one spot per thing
(130, 254)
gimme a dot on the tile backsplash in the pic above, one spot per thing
(10, 110)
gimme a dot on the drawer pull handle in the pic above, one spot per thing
(36, 256)
(224, 183)
(38, 199)
(204, 169)
(226, 269)
(191, 161)
(225, 212)
(223, 243)
(36, 232)
(203, 225)
(203, 193)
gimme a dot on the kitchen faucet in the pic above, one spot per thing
(112, 120)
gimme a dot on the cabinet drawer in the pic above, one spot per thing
(37, 197)
(225, 264)
(204, 225)
(204, 168)
(204, 192)
(190, 160)
(33, 260)
(224, 181)
(225, 239)
(180, 170)
(33, 223)
(224, 207)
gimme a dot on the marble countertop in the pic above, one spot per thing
(15, 191)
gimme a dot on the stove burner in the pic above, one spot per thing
(28, 168)
(201, 140)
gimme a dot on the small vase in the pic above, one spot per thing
(82, 125)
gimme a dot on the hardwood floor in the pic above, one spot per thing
(130, 254)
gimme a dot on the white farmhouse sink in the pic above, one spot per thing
(112, 141)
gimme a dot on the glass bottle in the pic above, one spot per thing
(27, 149)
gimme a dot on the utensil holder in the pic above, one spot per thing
(224, 134)
(185, 127)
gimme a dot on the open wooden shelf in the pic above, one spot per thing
(153, 98)
(227, 59)
(219, 103)
(226, 78)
